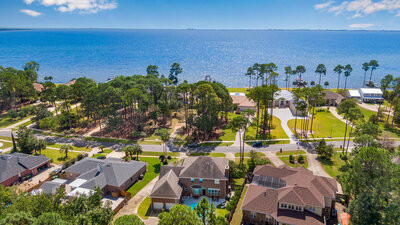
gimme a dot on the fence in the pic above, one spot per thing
(232, 212)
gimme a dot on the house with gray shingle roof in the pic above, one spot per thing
(196, 177)
(285, 195)
(15, 167)
(110, 175)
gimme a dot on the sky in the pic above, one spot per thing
(202, 14)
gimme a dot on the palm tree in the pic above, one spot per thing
(338, 69)
(365, 67)
(137, 149)
(102, 147)
(326, 84)
(300, 70)
(347, 72)
(40, 145)
(355, 115)
(165, 136)
(374, 65)
(288, 72)
(66, 149)
(256, 69)
(321, 69)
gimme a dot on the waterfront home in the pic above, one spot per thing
(332, 99)
(17, 167)
(371, 95)
(242, 102)
(194, 178)
(353, 94)
(285, 195)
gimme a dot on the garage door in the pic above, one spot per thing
(169, 205)
(158, 205)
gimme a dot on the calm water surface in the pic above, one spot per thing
(223, 54)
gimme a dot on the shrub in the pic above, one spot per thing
(169, 157)
(161, 157)
(165, 162)
(291, 159)
(300, 159)
(48, 123)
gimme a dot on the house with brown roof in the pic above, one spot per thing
(242, 102)
(38, 87)
(285, 195)
(332, 99)
(195, 177)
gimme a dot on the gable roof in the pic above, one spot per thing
(167, 186)
(371, 91)
(354, 93)
(38, 87)
(15, 163)
(285, 94)
(204, 167)
(99, 173)
(332, 95)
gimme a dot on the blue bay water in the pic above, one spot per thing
(225, 55)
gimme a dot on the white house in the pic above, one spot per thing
(374, 95)
(354, 94)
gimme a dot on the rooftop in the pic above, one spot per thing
(285, 94)
(15, 163)
(371, 90)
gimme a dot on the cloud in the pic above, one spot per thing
(323, 5)
(361, 25)
(82, 6)
(30, 12)
(363, 7)
(28, 1)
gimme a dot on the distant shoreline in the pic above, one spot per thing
(194, 29)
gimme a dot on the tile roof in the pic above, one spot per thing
(99, 173)
(299, 186)
(15, 163)
(242, 101)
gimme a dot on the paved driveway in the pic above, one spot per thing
(284, 114)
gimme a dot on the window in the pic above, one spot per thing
(253, 215)
(216, 181)
(201, 180)
(268, 219)
(214, 192)
(312, 208)
(192, 179)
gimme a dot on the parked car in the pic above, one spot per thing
(57, 171)
(257, 144)
(193, 145)
(101, 157)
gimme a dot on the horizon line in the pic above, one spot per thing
(219, 29)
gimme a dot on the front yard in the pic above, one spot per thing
(325, 125)
(333, 166)
(285, 159)
(59, 157)
(276, 133)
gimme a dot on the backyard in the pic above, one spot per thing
(238, 214)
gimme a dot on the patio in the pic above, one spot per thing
(192, 202)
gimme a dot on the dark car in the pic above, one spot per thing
(257, 144)
(193, 145)
(101, 157)
(57, 171)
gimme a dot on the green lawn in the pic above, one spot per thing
(294, 152)
(285, 159)
(212, 154)
(276, 133)
(333, 166)
(107, 151)
(325, 125)
(238, 90)
(227, 135)
(247, 154)
(172, 154)
(238, 215)
(394, 132)
(6, 145)
(222, 212)
(153, 169)
(6, 121)
(215, 144)
(238, 182)
(57, 156)
(98, 155)
(144, 209)
(74, 147)
(6, 138)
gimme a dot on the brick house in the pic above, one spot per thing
(196, 177)
(15, 167)
(110, 175)
(286, 195)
